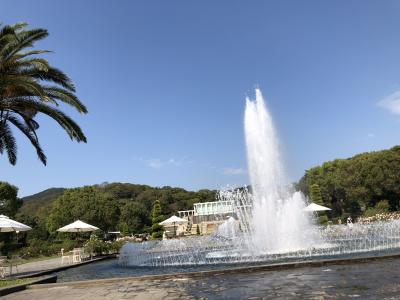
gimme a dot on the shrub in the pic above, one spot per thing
(115, 246)
(381, 207)
(38, 248)
(157, 231)
(344, 217)
(323, 220)
(95, 246)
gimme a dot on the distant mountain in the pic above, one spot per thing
(39, 204)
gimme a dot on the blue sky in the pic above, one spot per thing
(165, 84)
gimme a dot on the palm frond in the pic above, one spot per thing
(66, 97)
(28, 53)
(31, 135)
(72, 129)
(30, 85)
(20, 85)
(8, 142)
(23, 39)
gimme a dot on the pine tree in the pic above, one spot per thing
(157, 229)
(316, 197)
(315, 194)
(125, 229)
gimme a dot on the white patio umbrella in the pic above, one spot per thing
(173, 220)
(78, 226)
(9, 225)
(316, 207)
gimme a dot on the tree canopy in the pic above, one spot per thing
(88, 204)
(315, 194)
(118, 206)
(9, 201)
(355, 184)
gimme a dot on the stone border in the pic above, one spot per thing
(269, 267)
(20, 287)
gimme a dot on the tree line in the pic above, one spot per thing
(117, 206)
(125, 207)
(356, 185)
(362, 185)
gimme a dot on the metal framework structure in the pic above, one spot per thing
(213, 208)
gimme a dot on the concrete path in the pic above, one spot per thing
(372, 280)
(50, 265)
(37, 266)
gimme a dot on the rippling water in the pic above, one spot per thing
(111, 269)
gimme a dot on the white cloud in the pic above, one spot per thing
(371, 135)
(391, 103)
(157, 163)
(234, 171)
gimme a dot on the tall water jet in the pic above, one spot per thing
(268, 223)
(278, 222)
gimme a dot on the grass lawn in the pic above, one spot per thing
(11, 282)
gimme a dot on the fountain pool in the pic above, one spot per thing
(273, 224)
(339, 241)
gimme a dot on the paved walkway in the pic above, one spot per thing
(37, 266)
(373, 280)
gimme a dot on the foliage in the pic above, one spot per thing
(39, 205)
(134, 215)
(11, 282)
(95, 246)
(9, 202)
(115, 246)
(315, 194)
(9, 205)
(39, 228)
(30, 85)
(38, 247)
(157, 229)
(323, 220)
(124, 229)
(381, 207)
(156, 214)
(87, 204)
(123, 206)
(351, 186)
(132, 200)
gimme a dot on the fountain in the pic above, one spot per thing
(278, 222)
(273, 224)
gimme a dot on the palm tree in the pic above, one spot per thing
(30, 85)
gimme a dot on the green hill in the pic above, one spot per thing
(109, 205)
(113, 206)
(357, 184)
(40, 203)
